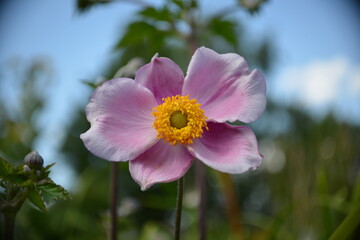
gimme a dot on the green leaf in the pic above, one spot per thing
(17, 178)
(27, 183)
(84, 5)
(348, 226)
(136, 33)
(48, 166)
(5, 168)
(162, 14)
(36, 199)
(90, 84)
(179, 3)
(225, 29)
(52, 192)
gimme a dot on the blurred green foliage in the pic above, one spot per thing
(308, 183)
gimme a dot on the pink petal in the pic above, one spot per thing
(121, 121)
(161, 76)
(162, 163)
(225, 87)
(227, 148)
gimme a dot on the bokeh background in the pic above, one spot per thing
(52, 53)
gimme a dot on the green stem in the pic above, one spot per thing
(9, 225)
(348, 225)
(113, 199)
(200, 180)
(179, 207)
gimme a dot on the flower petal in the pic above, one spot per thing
(161, 163)
(225, 87)
(161, 76)
(227, 148)
(121, 121)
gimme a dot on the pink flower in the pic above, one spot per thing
(161, 121)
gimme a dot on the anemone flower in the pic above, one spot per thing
(160, 122)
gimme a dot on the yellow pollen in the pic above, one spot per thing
(178, 120)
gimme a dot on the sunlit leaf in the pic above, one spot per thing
(36, 199)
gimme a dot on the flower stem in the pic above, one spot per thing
(9, 225)
(200, 179)
(180, 190)
(113, 200)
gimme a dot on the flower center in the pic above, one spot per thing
(178, 120)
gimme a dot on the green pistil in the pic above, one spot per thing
(178, 120)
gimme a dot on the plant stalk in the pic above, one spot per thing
(179, 201)
(9, 225)
(113, 199)
(200, 179)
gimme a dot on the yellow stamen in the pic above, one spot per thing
(178, 120)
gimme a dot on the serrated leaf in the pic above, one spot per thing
(5, 168)
(52, 192)
(36, 199)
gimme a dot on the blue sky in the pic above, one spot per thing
(317, 46)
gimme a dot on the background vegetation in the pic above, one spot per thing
(308, 183)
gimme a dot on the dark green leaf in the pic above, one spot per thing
(17, 178)
(84, 5)
(52, 192)
(5, 168)
(36, 199)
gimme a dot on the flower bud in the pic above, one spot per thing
(26, 169)
(34, 160)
